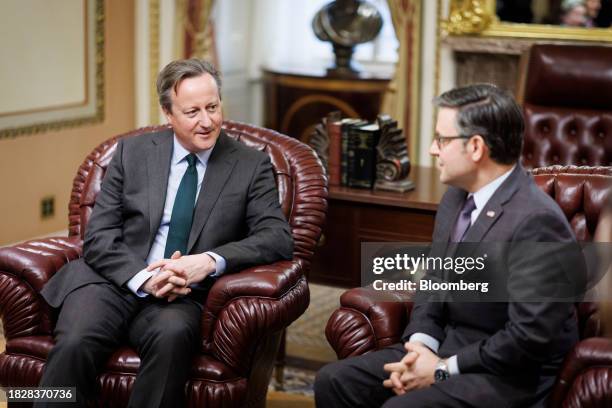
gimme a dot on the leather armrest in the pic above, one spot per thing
(36, 261)
(367, 320)
(584, 377)
(244, 307)
(24, 269)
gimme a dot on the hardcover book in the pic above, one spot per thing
(345, 127)
(362, 143)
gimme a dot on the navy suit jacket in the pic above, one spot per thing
(508, 353)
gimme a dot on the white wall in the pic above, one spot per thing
(235, 32)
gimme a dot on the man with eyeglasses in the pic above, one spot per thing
(469, 354)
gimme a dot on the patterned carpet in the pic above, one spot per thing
(306, 336)
(296, 381)
(306, 340)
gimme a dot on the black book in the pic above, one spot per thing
(362, 143)
(345, 126)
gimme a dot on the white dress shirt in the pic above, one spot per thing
(178, 166)
(481, 197)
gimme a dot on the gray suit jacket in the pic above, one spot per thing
(508, 352)
(237, 214)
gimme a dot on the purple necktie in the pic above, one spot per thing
(464, 220)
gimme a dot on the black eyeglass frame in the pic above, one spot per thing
(438, 139)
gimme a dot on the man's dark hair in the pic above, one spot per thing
(486, 110)
(171, 76)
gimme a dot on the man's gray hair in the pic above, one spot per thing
(171, 76)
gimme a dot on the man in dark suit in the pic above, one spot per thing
(176, 209)
(458, 353)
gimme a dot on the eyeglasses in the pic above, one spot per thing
(442, 141)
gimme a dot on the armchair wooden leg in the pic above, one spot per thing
(279, 365)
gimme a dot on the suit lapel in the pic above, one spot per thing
(220, 165)
(447, 214)
(158, 169)
(487, 217)
(494, 207)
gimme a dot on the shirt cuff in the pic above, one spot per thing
(453, 366)
(427, 340)
(137, 281)
(219, 264)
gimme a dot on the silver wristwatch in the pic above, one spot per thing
(441, 372)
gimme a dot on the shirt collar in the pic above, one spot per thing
(179, 153)
(482, 196)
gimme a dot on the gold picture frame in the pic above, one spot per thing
(478, 17)
(88, 111)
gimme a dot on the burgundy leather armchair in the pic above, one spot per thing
(244, 315)
(566, 93)
(362, 324)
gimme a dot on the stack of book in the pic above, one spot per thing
(352, 152)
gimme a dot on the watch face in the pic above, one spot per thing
(441, 375)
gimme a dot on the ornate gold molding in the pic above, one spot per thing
(153, 60)
(548, 32)
(98, 116)
(467, 17)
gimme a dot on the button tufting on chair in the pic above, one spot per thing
(566, 95)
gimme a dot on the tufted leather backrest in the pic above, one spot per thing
(299, 175)
(582, 193)
(566, 92)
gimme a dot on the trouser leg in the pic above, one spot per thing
(424, 398)
(357, 381)
(166, 336)
(90, 325)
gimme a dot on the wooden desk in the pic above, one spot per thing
(356, 216)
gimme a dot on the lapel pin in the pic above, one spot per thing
(490, 214)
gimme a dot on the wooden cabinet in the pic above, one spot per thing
(296, 100)
(355, 216)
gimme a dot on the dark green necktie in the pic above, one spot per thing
(182, 210)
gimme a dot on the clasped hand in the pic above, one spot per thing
(176, 274)
(414, 371)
